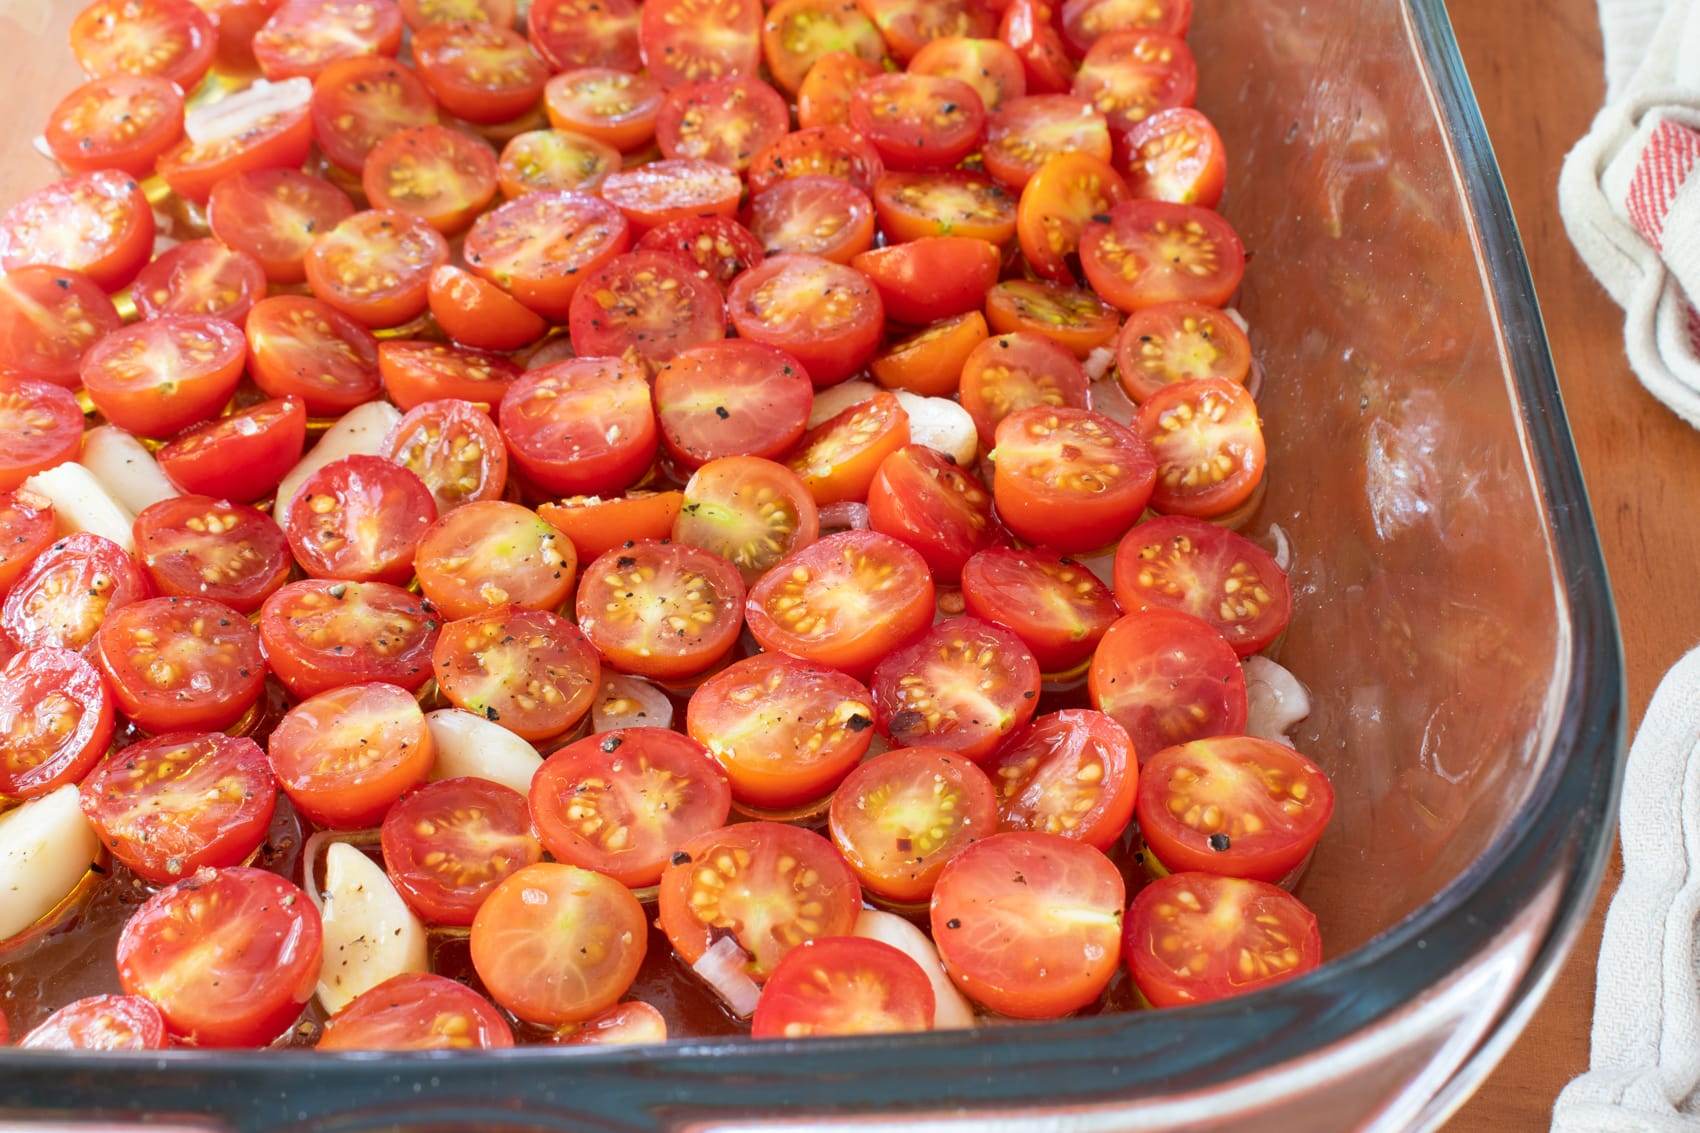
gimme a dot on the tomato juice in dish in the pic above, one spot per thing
(547, 552)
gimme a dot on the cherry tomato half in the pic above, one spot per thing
(240, 457)
(359, 519)
(319, 634)
(840, 457)
(162, 375)
(539, 246)
(798, 34)
(1198, 568)
(1179, 342)
(1148, 252)
(100, 1022)
(661, 610)
(583, 426)
(1057, 607)
(921, 497)
(1167, 678)
(1025, 132)
(479, 71)
(651, 305)
(1069, 478)
(687, 41)
(1208, 443)
(359, 102)
(375, 266)
(720, 247)
(99, 224)
(70, 589)
(43, 427)
(343, 756)
(48, 320)
(169, 38)
(1072, 773)
(530, 671)
(918, 121)
(442, 176)
(448, 844)
(27, 526)
(843, 985)
(301, 347)
(490, 553)
(200, 277)
(1016, 371)
(826, 315)
(56, 719)
(455, 450)
(303, 37)
(1177, 155)
(180, 664)
(899, 817)
(933, 277)
(1130, 75)
(120, 122)
(275, 215)
(417, 1011)
(597, 526)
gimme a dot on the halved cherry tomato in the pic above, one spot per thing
(1067, 192)
(823, 98)
(557, 944)
(169, 38)
(953, 203)
(1148, 252)
(1069, 478)
(1028, 924)
(614, 107)
(1178, 563)
(1130, 75)
(539, 246)
(343, 756)
(899, 817)
(596, 526)
(585, 33)
(303, 37)
(747, 510)
(415, 371)
(375, 266)
(545, 160)
(120, 122)
(731, 398)
(302, 347)
(201, 547)
(455, 450)
(627, 1024)
(1017, 371)
(359, 519)
(359, 102)
(688, 41)
(1233, 805)
(1025, 132)
(200, 277)
(826, 315)
(786, 731)
(662, 610)
(319, 634)
(987, 65)
(169, 806)
(726, 121)
(645, 305)
(1179, 342)
(278, 140)
(230, 957)
(43, 427)
(1072, 773)
(275, 215)
(442, 176)
(846, 601)
(1168, 678)
(1085, 21)
(1177, 155)
(918, 121)
(814, 215)
(528, 670)
(417, 1011)
(768, 885)
(836, 151)
(930, 363)
(448, 844)
(921, 497)
(1072, 317)
(964, 686)
(237, 21)
(844, 985)
(909, 25)
(839, 458)
(1196, 937)
(720, 247)
(99, 224)
(621, 802)
(481, 72)
(581, 426)
(48, 320)
(490, 553)
(933, 277)
(1209, 446)
(1026, 29)
(26, 528)
(159, 376)
(1057, 607)
(240, 457)
(798, 34)
(660, 191)
(100, 1022)
(56, 720)
(180, 664)
(70, 589)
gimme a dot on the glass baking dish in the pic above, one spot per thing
(1452, 619)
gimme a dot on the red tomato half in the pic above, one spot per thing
(1029, 925)
(70, 589)
(1057, 607)
(727, 121)
(275, 215)
(448, 844)
(627, 1024)
(909, 25)
(1027, 30)
(444, 177)
(539, 161)
(921, 497)
(843, 985)
(200, 277)
(199, 547)
(918, 121)
(455, 450)
(814, 215)
(359, 102)
(798, 34)
(1070, 478)
(240, 457)
(1209, 446)
(732, 398)
(1069, 316)
(828, 316)
(416, 371)
(159, 376)
(476, 313)
(169, 38)
(688, 41)
(481, 72)
(528, 670)
(43, 427)
(581, 427)
(301, 347)
(1211, 573)
(1167, 678)
(417, 1011)
(228, 956)
(661, 610)
(1017, 371)
(823, 99)
(303, 37)
(167, 807)
(1073, 773)
(48, 320)
(931, 278)
(320, 635)
(539, 247)
(899, 817)
(97, 223)
(1149, 252)
(672, 189)
(27, 525)
(1085, 21)
(277, 140)
(750, 511)
(55, 721)
(835, 151)
(585, 33)
(614, 107)
(1179, 342)
(359, 519)
(1131, 75)
(1025, 132)
(720, 247)
(180, 664)
(988, 65)
(964, 687)
(121, 122)
(375, 266)
(1196, 937)
(648, 304)
(344, 756)
(100, 1022)
(1177, 155)
(597, 525)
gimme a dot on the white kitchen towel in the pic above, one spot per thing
(1644, 1064)
(1630, 191)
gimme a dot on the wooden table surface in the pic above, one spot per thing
(1537, 73)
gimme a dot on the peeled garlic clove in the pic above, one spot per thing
(81, 504)
(941, 424)
(125, 468)
(370, 933)
(46, 845)
(467, 744)
(1275, 700)
(951, 1009)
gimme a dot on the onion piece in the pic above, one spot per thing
(230, 117)
(951, 1010)
(725, 968)
(1239, 319)
(361, 431)
(1283, 547)
(629, 702)
(832, 401)
(1109, 398)
(942, 425)
(46, 846)
(1275, 700)
(846, 515)
(469, 745)
(81, 504)
(125, 468)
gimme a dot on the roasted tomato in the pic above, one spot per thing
(528, 670)
(490, 553)
(200, 277)
(417, 1011)
(70, 589)
(729, 399)
(1060, 199)
(121, 122)
(951, 203)
(56, 719)
(1201, 569)
(597, 526)
(965, 686)
(448, 844)
(455, 450)
(584, 33)
(180, 664)
(1209, 446)
(442, 176)
(1072, 773)
(581, 426)
(749, 511)
(662, 610)
(720, 247)
(899, 817)
(1069, 478)
(359, 102)
(416, 372)
(844, 985)
(909, 25)
(162, 375)
(921, 497)
(303, 37)
(100, 1022)
(1167, 678)
(836, 151)
(169, 38)
(839, 458)
(672, 189)
(26, 528)
(930, 363)
(48, 320)
(1085, 21)
(43, 427)
(918, 121)
(99, 224)
(538, 247)
(798, 34)
(1147, 252)
(688, 41)
(301, 347)
(933, 277)
(1179, 342)
(345, 755)
(240, 457)
(823, 99)
(376, 266)
(1016, 371)
(826, 315)
(275, 215)
(648, 305)
(546, 160)
(1131, 75)
(359, 519)
(727, 121)
(480, 72)
(1057, 607)
(320, 635)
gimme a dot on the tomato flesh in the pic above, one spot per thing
(56, 719)
(1069, 478)
(417, 1011)
(100, 1022)
(527, 670)
(180, 663)
(1195, 938)
(1056, 606)
(448, 844)
(1072, 773)
(899, 817)
(1167, 678)
(843, 985)
(241, 457)
(345, 755)
(1198, 568)
(490, 553)
(661, 610)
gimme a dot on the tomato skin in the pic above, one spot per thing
(259, 974)
(720, 247)
(621, 802)
(526, 245)
(375, 266)
(1209, 446)
(921, 497)
(824, 987)
(666, 611)
(44, 751)
(169, 806)
(359, 519)
(100, 1022)
(1179, 563)
(137, 387)
(934, 277)
(581, 427)
(346, 755)
(855, 642)
(491, 663)
(930, 362)
(1167, 678)
(650, 304)
(576, 33)
(199, 277)
(276, 215)
(96, 223)
(27, 526)
(1061, 761)
(964, 686)
(477, 313)
(480, 72)
(358, 102)
(731, 398)
(169, 38)
(304, 348)
(1233, 805)
(48, 320)
(1026, 29)
(69, 590)
(1179, 342)
(1053, 479)
(432, 838)
(319, 634)
(837, 151)
(241, 457)
(779, 303)
(120, 122)
(693, 40)
(918, 122)
(1068, 190)
(1150, 252)
(417, 1011)
(303, 37)
(899, 817)
(43, 425)
(597, 526)
(823, 99)
(1058, 608)
(455, 450)
(839, 458)
(1271, 926)
(444, 177)
(145, 647)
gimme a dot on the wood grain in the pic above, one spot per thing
(1536, 65)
